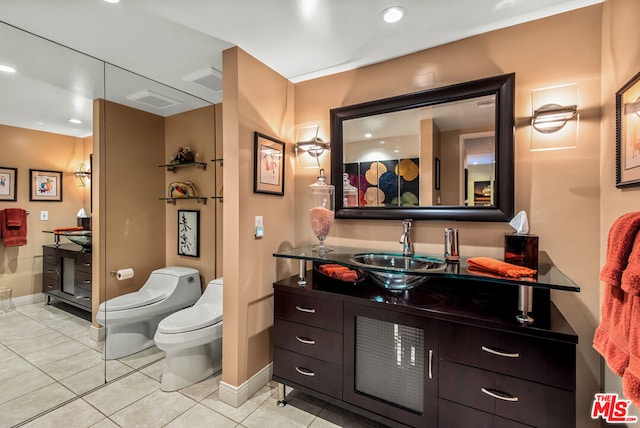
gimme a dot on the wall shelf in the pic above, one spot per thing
(173, 166)
(200, 200)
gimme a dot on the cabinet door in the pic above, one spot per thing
(389, 364)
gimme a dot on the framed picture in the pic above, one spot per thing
(189, 233)
(46, 186)
(268, 165)
(628, 134)
(8, 184)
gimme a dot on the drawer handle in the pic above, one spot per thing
(49, 286)
(87, 264)
(51, 271)
(502, 354)
(430, 363)
(87, 281)
(500, 396)
(305, 340)
(309, 311)
(304, 371)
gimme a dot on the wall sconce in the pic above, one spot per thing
(82, 176)
(554, 123)
(309, 147)
(551, 118)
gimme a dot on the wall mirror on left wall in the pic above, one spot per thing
(47, 352)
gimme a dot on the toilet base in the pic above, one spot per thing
(125, 341)
(189, 366)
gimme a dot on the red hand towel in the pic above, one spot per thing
(15, 217)
(631, 375)
(620, 242)
(630, 281)
(13, 236)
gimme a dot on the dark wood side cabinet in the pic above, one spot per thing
(66, 275)
(428, 357)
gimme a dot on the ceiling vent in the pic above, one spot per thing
(208, 78)
(153, 99)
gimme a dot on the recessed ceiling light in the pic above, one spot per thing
(76, 121)
(7, 69)
(112, 1)
(368, 135)
(393, 14)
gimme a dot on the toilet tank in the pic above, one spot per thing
(180, 282)
(213, 293)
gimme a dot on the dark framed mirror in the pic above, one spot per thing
(441, 154)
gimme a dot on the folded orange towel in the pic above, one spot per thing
(58, 230)
(499, 267)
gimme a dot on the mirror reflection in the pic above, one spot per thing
(51, 346)
(444, 153)
(424, 156)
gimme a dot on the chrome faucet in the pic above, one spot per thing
(405, 238)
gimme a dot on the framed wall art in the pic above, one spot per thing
(189, 233)
(46, 186)
(8, 184)
(268, 165)
(628, 134)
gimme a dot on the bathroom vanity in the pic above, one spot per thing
(66, 274)
(446, 353)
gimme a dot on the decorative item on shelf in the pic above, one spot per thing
(182, 189)
(321, 213)
(184, 155)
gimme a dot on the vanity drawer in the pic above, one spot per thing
(83, 280)
(51, 271)
(49, 255)
(314, 342)
(542, 360)
(507, 396)
(455, 415)
(83, 262)
(50, 286)
(311, 310)
(311, 373)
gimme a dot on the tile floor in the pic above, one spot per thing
(52, 375)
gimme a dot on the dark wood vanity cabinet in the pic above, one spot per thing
(66, 274)
(404, 362)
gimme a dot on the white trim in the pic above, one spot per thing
(28, 299)
(236, 395)
(97, 334)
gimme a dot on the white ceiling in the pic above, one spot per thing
(165, 40)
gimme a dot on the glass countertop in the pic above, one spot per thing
(548, 276)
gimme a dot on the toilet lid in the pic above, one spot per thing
(193, 318)
(133, 300)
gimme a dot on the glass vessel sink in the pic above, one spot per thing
(80, 237)
(394, 271)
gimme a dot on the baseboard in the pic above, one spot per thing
(28, 299)
(97, 334)
(236, 395)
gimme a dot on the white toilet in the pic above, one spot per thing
(192, 340)
(131, 320)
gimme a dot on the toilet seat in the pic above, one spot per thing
(134, 300)
(193, 318)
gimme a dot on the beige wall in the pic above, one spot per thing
(559, 190)
(21, 267)
(620, 62)
(255, 99)
(194, 129)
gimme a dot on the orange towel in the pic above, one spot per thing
(13, 236)
(492, 265)
(612, 338)
(59, 230)
(620, 242)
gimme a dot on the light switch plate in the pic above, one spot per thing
(44, 215)
(259, 227)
